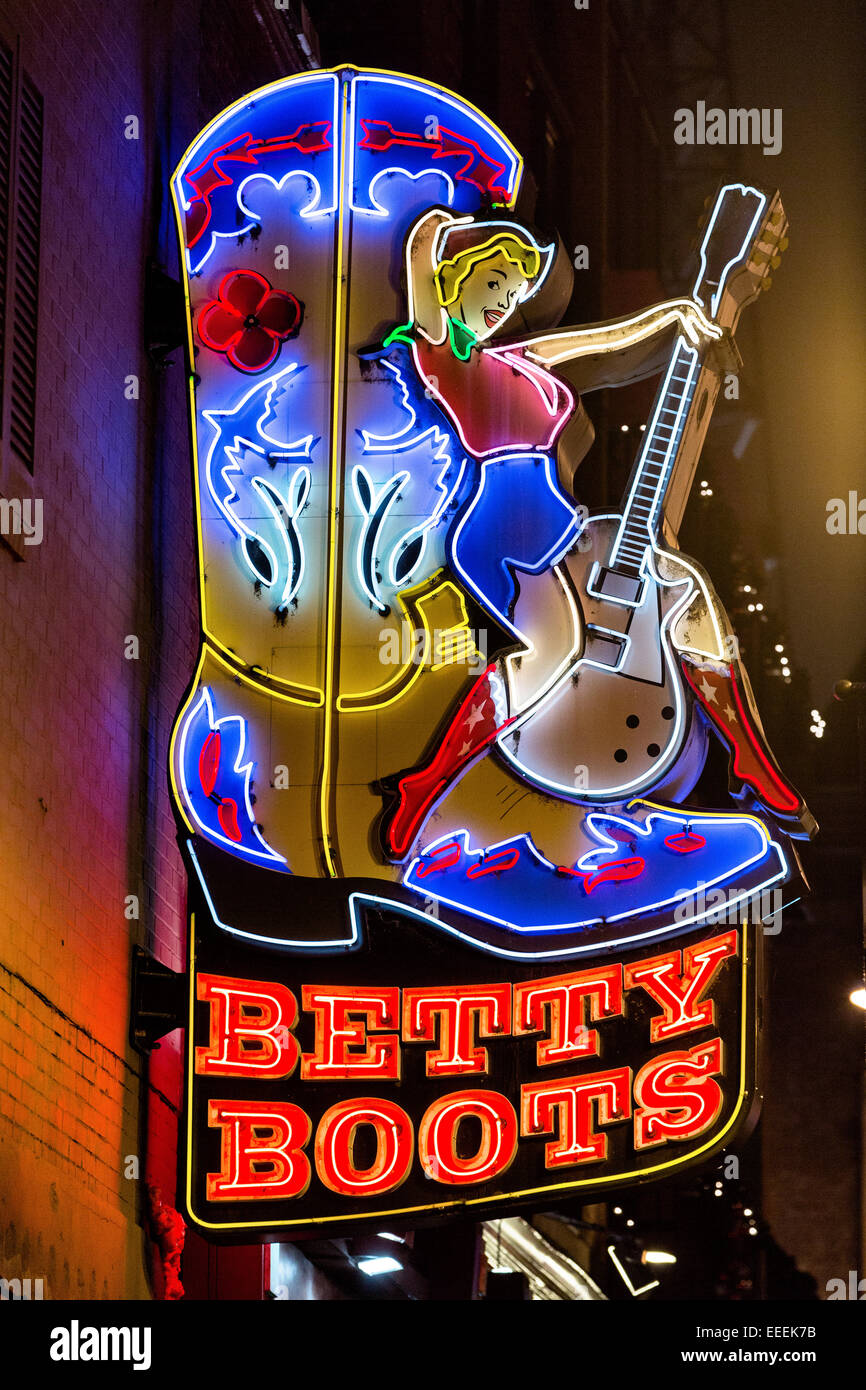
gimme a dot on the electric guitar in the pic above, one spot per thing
(621, 707)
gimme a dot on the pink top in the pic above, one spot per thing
(497, 399)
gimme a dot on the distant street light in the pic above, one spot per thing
(379, 1264)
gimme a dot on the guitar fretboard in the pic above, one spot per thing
(655, 461)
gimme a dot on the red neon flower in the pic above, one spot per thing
(249, 320)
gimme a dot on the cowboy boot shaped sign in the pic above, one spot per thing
(464, 931)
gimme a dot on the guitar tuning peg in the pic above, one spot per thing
(775, 262)
(766, 282)
(783, 244)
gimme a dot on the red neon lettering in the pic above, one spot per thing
(342, 1049)
(335, 1147)
(562, 998)
(261, 1150)
(565, 1108)
(438, 1137)
(463, 1013)
(250, 1023)
(677, 981)
(677, 1096)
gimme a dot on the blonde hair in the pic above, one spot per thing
(451, 273)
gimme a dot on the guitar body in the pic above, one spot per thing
(620, 717)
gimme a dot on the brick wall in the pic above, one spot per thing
(84, 818)
(84, 811)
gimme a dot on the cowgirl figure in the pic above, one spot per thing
(465, 279)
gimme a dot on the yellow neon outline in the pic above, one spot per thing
(476, 255)
(297, 693)
(710, 1146)
(412, 669)
(337, 394)
(689, 813)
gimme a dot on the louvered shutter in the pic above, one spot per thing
(25, 290)
(6, 124)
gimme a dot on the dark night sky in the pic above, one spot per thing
(808, 59)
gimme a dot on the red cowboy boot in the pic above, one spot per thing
(725, 696)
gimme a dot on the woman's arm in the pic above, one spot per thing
(625, 349)
(425, 311)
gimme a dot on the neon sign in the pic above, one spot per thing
(435, 895)
(568, 1125)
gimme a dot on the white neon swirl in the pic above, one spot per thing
(675, 821)
(299, 491)
(311, 209)
(314, 209)
(265, 447)
(405, 439)
(388, 492)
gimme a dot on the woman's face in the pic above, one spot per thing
(489, 294)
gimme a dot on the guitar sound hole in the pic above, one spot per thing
(653, 750)
(668, 712)
(620, 755)
(632, 721)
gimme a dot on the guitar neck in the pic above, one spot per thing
(655, 462)
(743, 238)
